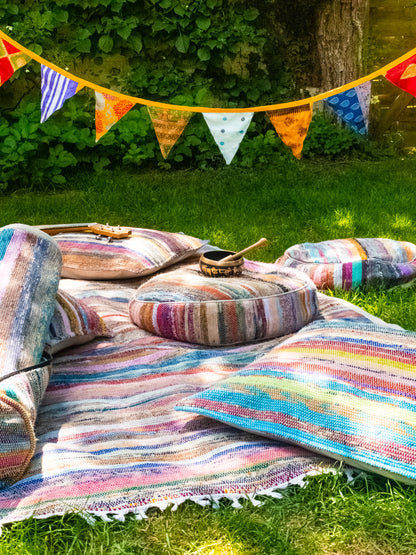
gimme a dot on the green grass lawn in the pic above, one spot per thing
(288, 204)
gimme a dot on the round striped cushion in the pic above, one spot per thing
(187, 306)
(352, 263)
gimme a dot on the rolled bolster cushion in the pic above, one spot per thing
(187, 306)
(352, 263)
(30, 268)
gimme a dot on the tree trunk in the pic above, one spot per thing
(340, 32)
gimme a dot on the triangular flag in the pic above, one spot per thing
(108, 111)
(168, 126)
(347, 106)
(11, 58)
(55, 90)
(292, 126)
(228, 130)
(404, 75)
(364, 98)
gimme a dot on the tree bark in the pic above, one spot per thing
(340, 32)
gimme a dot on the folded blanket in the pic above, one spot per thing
(30, 266)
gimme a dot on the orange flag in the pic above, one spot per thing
(292, 125)
(108, 111)
(11, 58)
(168, 126)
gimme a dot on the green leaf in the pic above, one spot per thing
(37, 49)
(165, 4)
(124, 32)
(84, 46)
(203, 23)
(179, 11)
(12, 9)
(83, 34)
(137, 44)
(251, 14)
(182, 44)
(61, 16)
(106, 43)
(204, 54)
(211, 4)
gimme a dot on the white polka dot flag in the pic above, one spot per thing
(228, 130)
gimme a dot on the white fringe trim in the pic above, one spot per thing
(203, 500)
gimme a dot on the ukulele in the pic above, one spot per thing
(113, 231)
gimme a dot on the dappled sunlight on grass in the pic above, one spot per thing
(401, 221)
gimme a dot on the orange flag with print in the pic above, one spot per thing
(168, 126)
(108, 111)
(11, 58)
(292, 126)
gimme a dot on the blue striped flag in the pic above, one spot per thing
(55, 90)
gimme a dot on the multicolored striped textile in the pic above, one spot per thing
(73, 323)
(30, 266)
(90, 256)
(352, 263)
(56, 88)
(342, 388)
(188, 306)
(110, 441)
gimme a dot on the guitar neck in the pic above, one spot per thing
(64, 228)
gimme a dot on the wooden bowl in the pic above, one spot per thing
(211, 267)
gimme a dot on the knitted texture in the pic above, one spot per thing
(188, 306)
(342, 388)
(30, 265)
(73, 323)
(351, 263)
(90, 256)
(110, 441)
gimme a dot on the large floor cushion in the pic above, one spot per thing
(342, 388)
(30, 267)
(90, 256)
(188, 306)
(352, 263)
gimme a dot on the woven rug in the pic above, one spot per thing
(111, 443)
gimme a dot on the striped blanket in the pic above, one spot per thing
(110, 441)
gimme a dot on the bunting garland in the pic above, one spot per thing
(292, 126)
(228, 131)
(168, 126)
(108, 111)
(11, 58)
(228, 126)
(55, 90)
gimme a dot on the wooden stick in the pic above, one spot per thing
(231, 257)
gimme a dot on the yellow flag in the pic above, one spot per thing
(292, 126)
(168, 126)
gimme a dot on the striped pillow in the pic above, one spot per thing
(351, 263)
(342, 388)
(187, 306)
(90, 256)
(73, 323)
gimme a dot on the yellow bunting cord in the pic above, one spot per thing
(137, 100)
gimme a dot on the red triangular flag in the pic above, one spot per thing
(404, 75)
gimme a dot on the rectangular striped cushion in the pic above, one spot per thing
(73, 323)
(90, 256)
(342, 388)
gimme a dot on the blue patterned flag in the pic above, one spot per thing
(55, 90)
(348, 107)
